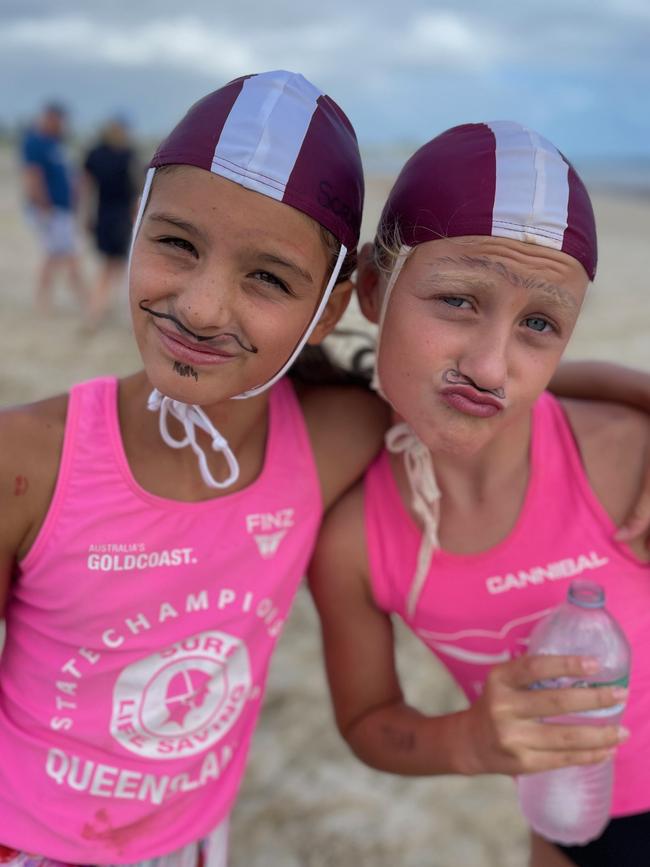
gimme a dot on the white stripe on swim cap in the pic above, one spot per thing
(531, 197)
(261, 115)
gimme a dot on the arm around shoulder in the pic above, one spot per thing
(346, 426)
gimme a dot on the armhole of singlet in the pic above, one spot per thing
(61, 484)
(284, 392)
(380, 587)
(581, 477)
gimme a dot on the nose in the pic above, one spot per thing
(206, 301)
(484, 359)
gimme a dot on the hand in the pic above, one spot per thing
(505, 732)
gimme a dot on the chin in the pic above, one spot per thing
(454, 434)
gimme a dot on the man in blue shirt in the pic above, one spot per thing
(51, 201)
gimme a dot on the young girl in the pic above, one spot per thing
(147, 578)
(484, 252)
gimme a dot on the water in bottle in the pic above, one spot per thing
(572, 805)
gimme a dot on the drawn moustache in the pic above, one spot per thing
(455, 377)
(199, 339)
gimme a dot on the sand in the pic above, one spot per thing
(306, 801)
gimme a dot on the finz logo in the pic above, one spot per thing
(182, 700)
(259, 525)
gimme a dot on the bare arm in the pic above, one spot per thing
(500, 733)
(602, 380)
(31, 440)
(346, 427)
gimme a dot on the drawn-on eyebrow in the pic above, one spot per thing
(557, 293)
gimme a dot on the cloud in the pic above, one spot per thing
(570, 66)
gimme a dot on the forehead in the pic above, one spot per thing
(489, 262)
(205, 196)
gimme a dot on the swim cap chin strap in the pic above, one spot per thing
(402, 439)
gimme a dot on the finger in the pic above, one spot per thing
(552, 737)
(528, 670)
(536, 703)
(535, 762)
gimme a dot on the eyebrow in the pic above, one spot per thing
(190, 228)
(270, 258)
(557, 293)
(286, 263)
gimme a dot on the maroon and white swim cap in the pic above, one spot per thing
(277, 134)
(497, 178)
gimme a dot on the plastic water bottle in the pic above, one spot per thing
(572, 805)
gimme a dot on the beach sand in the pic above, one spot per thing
(306, 801)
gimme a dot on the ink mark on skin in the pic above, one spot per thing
(200, 339)
(185, 370)
(399, 739)
(21, 484)
(455, 377)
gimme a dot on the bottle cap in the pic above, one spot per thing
(586, 594)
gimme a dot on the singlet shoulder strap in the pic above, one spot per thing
(392, 536)
(84, 397)
(289, 435)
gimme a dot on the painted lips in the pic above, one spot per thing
(184, 350)
(467, 400)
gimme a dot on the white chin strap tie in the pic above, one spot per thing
(402, 439)
(191, 417)
(425, 500)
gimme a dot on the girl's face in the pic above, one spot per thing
(473, 332)
(223, 284)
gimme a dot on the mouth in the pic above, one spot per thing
(183, 349)
(469, 401)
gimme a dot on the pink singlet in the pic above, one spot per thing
(477, 610)
(139, 634)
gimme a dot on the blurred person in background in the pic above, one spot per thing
(111, 178)
(50, 193)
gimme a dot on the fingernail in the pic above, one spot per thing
(623, 733)
(590, 665)
(620, 693)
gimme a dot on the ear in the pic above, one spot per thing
(368, 283)
(334, 309)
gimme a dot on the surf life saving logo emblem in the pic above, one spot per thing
(183, 699)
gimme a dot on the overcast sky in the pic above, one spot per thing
(576, 70)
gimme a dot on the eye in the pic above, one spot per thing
(271, 280)
(179, 243)
(536, 323)
(454, 301)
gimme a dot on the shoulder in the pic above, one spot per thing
(341, 549)
(346, 426)
(32, 439)
(614, 442)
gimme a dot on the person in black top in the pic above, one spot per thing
(111, 174)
